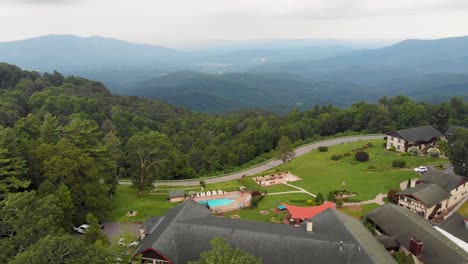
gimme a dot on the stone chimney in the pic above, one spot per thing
(309, 225)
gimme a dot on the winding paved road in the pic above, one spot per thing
(265, 166)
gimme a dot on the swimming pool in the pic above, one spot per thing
(216, 202)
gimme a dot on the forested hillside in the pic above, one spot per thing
(64, 142)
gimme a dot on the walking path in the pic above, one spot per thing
(266, 165)
(300, 189)
(378, 200)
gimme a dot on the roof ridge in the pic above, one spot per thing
(439, 235)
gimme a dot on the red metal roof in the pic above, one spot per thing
(307, 212)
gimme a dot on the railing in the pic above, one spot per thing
(154, 261)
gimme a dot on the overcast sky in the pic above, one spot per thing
(176, 22)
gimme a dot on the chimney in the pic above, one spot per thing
(309, 226)
(416, 246)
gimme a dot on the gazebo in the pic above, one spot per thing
(298, 214)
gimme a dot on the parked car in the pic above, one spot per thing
(81, 229)
(421, 169)
(122, 243)
(84, 227)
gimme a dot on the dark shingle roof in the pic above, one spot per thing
(446, 179)
(175, 194)
(415, 134)
(150, 224)
(455, 225)
(188, 228)
(451, 129)
(388, 241)
(403, 224)
(429, 194)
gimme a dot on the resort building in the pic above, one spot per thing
(176, 196)
(436, 194)
(329, 237)
(456, 229)
(415, 235)
(422, 137)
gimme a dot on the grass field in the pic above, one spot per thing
(463, 210)
(358, 211)
(318, 174)
(147, 205)
(268, 203)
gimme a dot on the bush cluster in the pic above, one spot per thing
(323, 148)
(434, 152)
(336, 157)
(399, 163)
(392, 148)
(362, 156)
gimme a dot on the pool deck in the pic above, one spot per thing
(240, 200)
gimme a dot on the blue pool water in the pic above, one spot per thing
(217, 202)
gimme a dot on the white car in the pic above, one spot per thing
(122, 243)
(81, 229)
(420, 169)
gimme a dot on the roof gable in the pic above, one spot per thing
(184, 236)
(447, 179)
(403, 224)
(427, 193)
(417, 134)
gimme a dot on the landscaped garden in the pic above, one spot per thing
(318, 173)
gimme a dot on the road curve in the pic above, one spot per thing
(265, 166)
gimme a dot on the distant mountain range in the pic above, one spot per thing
(273, 78)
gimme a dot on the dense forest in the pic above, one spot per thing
(64, 142)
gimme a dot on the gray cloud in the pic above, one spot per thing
(185, 21)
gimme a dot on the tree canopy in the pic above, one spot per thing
(221, 252)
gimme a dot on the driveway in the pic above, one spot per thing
(265, 166)
(112, 229)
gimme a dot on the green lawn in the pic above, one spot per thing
(268, 203)
(318, 174)
(147, 205)
(358, 211)
(464, 209)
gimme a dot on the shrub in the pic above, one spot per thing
(414, 151)
(434, 152)
(339, 202)
(391, 196)
(256, 200)
(371, 228)
(404, 154)
(336, 157)
(255, 193)
(408, 184)
(392, 148)
(347, 154)
(384, 145)
(370, 144)
(362, 156)
(203, 184)
(323, 149)
(310, 202)
(319, 199)
(399, 163)
(331, 196)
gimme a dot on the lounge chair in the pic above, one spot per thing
(215, 192)
(208, 193)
